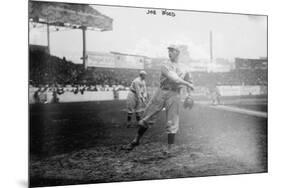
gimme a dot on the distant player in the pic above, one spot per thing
(136, 99)
(167, 96)
(215, 95)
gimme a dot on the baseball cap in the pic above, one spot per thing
(172, 46)
(143, 72)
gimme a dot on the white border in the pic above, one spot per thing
(13, 93)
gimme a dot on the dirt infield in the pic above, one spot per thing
(76, 143)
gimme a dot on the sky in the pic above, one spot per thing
(136, 32)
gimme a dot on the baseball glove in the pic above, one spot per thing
(188, 102)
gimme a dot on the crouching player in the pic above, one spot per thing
(136, 99)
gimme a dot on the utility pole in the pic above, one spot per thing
(211, 46)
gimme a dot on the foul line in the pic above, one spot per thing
(240, 110)
(232, 109)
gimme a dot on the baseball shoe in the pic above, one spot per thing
(168, 151)
(130, 146)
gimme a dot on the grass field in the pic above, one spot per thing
(74, 143)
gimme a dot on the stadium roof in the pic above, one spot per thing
(69, 15)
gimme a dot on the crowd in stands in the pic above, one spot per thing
(46, 69)
(59, 75)
(124, 77)
(234, 77)
(40, 92)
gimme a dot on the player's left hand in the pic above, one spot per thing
(188, 102)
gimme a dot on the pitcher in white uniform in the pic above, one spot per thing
(172, 80)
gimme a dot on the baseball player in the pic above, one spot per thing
(215, 95)
(167, 96)
(218, 95)
(136, 98)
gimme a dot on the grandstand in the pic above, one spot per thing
(50, 71)
(234, 77)
(46, 69)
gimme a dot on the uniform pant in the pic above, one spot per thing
(170, 100)
(133, 103)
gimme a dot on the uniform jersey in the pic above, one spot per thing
(138, 87)
(177, 68)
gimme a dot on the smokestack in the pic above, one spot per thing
(211, 46)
